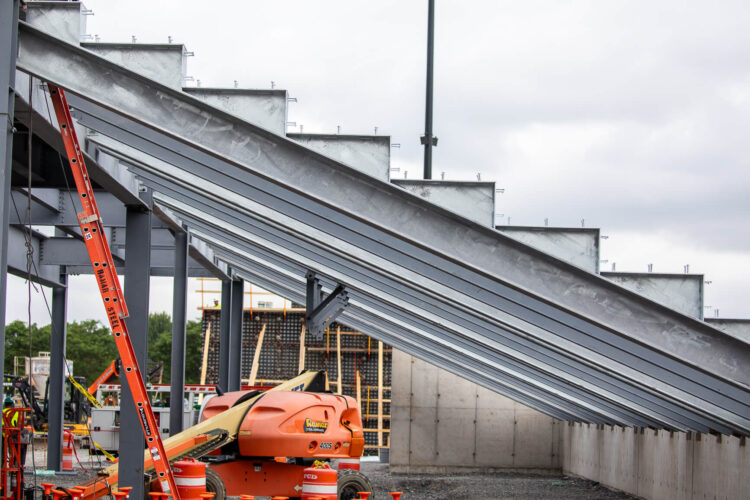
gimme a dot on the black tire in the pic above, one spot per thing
(350, 483)
(215, 485)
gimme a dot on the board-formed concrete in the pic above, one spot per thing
(658, 464)
(441, 422)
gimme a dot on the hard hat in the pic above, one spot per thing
(8, 400)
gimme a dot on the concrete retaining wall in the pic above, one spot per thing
(441, 422)
(658, 464)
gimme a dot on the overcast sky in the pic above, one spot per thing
(633, 116)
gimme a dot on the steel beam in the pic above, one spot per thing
(137, 250)
(57, 375)
(320, 311)
(678, 421)
(179, 322)
(648, 401)
(235, 336)
(17, 259)
(405, 328)
(498, 286)
(9, 40)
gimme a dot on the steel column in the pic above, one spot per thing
(179, 321)
(224, 347)
(138, 254)
(57, 374)
(9, 40)
(235, 336)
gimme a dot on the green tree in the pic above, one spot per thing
(91, 347)
(17, 341)
(161, 349)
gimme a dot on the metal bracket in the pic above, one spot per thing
(319, 311)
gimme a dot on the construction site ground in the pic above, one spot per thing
(458, 486)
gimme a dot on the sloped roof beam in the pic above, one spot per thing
(478, 267)
(169, 186)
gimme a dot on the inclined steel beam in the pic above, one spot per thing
(220, 238)
(493, 298)
(678, 419)
(286, 288)
(404, 223)
(411, 240)
(224, 236)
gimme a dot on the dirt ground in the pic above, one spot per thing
(414, 486)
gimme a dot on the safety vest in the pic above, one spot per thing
(13, 419)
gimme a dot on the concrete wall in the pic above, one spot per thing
(441, 422)
(658, 464)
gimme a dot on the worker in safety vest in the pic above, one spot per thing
(7, 406)
(25, 436)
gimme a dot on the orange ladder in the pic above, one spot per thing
(109, 287)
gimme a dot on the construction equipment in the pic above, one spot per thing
(100, 255)
(109, 372)
(76, 409)
(243, 435)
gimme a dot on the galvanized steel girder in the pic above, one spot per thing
(682, 360)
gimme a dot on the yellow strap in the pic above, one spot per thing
(83, 391)
(107, 454)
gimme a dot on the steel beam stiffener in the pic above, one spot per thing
(111, 292)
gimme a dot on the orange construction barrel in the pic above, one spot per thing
(349, 463)
(67, 451)
(190, 478)
(320, 483)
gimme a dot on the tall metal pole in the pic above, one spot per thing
(8, 49)
(428, 140)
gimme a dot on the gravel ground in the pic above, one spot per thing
(484, 486)
(414, 486)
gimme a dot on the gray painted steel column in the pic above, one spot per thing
(9, 40)
(226, 315)
(235, 336)
(179, 320)
(138, 257)
(57, 373)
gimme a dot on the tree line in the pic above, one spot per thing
(91, 347)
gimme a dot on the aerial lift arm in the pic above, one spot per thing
(108, 373)
(109, 287)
